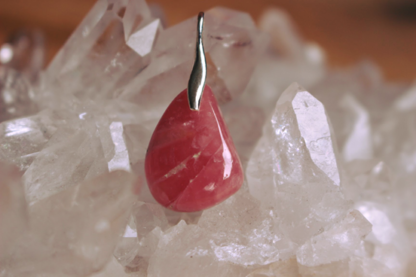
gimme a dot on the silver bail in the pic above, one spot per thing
(196, 83)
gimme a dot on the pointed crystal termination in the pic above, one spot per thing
(109, 48)
(294, 166)
(232, 44)
(191, 163)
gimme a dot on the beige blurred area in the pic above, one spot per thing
(349, 30)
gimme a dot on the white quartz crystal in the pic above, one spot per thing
(21, 139)
(73, 233)
(81, 150)
(337, 243)
(103, 54)
(299, 147)
(330, 168)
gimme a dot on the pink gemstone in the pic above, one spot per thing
(191, 163)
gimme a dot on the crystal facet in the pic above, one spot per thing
(306, 209)
(191, 162)
(73, 233)
(110, 47)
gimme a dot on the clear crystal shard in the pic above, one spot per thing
(315, 130)
(119, 156)
(294, 166)
(335, 244)
(80, 150)
(184, 248)
(142, 40)
(371, 186)
(305, 209)
(23, 138)
(230, 38)
(73, 233)
(109, 48)
(141, 237)
(394, 143)
(256, 227)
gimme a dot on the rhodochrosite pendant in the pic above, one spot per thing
(191, 163)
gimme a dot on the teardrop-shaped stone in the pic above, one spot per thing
(191, 163)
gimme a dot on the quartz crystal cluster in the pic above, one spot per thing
(329, 157)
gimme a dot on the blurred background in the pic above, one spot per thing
(349, 30)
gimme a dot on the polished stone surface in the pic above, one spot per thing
(191, 163)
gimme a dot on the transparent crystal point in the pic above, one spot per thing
(294, 166)
(109, 48)
(299, 136)
(232, 44)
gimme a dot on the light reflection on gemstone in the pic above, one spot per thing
(297, 223)
(199, 176)
(226, 154)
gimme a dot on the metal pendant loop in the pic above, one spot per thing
(198, 76)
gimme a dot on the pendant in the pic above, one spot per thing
(191, 162)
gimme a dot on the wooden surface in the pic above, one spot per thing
(349, 30)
